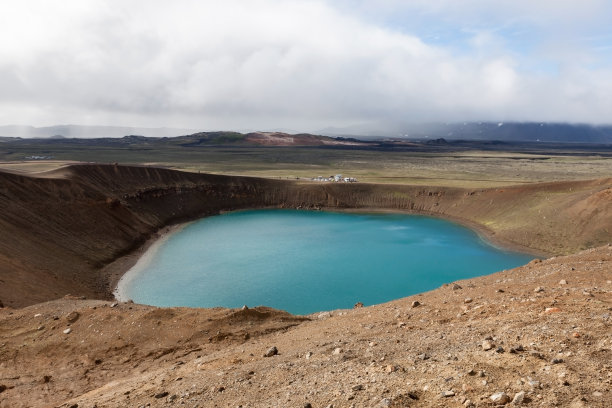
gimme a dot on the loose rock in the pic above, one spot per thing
(533, 383)
(536, 354)
(487, 345)
(424, 356)
(72, 317)
(272, 351)
(519, 397)
(67, 331)
(447, 394)
(416, 303)
(500, 398)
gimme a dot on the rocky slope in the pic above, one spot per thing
(539, 335)
(62, 229)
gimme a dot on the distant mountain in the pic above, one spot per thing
(401, 132)
(221, 138)
(261, 139)
(82, 131)
(510, 132)
(299, 139)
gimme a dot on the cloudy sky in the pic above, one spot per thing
(303, 65)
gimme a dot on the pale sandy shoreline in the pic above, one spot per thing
(125, 269)
(144, 260)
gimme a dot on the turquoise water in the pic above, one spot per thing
(303, 261)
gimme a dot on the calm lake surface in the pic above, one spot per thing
(303, 261)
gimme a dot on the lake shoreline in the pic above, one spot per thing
(119, 270)
(95, 214)
(141, 260)
(125, 269)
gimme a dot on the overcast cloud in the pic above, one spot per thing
(304, 65)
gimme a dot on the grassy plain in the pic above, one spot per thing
(453, 165)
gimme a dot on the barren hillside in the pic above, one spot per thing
(61, 230)
(539, 334)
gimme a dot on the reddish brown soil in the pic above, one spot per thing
(548, 324)
(60, 231)
(76, 230)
